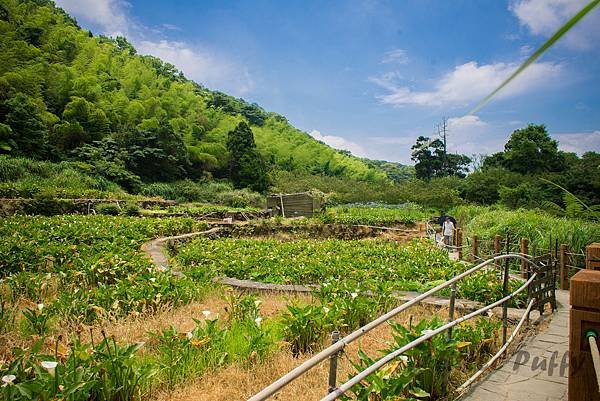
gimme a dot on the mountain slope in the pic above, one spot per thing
(67, 95)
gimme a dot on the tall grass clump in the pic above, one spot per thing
(465, 213)
(538, 226)
(381, 215)
(25, 178)
(216, 192)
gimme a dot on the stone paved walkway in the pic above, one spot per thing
(538, 371)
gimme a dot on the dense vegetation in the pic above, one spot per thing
(539, 227)
(64, 271)
(530, 172)
(377, 216)
(381, 264)
(518, 176)
(84, 266)
(115, 121)
(66, 95)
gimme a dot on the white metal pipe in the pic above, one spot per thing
(595, 357)
(381, 362)
(321, 356)
(489, 363)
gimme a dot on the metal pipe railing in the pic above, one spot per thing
(489, 363)
(381, 362)
(338, 346)
(592, 336)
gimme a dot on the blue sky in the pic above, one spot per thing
(369, 75)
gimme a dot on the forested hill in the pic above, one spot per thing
(66, 94)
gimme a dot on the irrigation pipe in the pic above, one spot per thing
(377, 365)
(489, 363)
(334, 348)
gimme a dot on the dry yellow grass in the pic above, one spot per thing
(134, 329)
(137, 329)
(235, 382)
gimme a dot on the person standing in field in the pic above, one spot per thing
(448, 232)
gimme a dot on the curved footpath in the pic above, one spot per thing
(537, 371)
(155, 249)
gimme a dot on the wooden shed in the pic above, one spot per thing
(293, 205)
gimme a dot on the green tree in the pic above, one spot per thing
(246, 166)
(28, 128)
(157, 153)
(431, 160)
(482, 186)
(424, 154)
(531, 150)
(7, 142)
(92, 119)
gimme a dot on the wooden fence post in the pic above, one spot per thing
(474, 248)
(584, 316)
(592, 256)
(459, 240)
(564, 272)
(497, 240)
(524, 251)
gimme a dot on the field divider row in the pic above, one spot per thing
(155, 250)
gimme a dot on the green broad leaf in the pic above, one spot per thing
(419, 393)
(24, 390)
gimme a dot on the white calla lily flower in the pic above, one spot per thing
(50, 366)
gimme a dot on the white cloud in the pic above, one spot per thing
(395, 56)
(544, 17)
(110, 15)
(388, 80)
(394, 140)
(338, 142)
(471, 135)
(579, 142)
(470, 82)
(525, 50)
(201, 65)
(465, 122)
(171, 27)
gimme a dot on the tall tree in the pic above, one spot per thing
(431, 160)
(28, 129)
(531, 150)
(246, 166)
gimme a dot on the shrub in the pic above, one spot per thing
(536, 225)
(215, 192)
(131, 209)
(46, 204)
(111, 209)
(21, 177)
